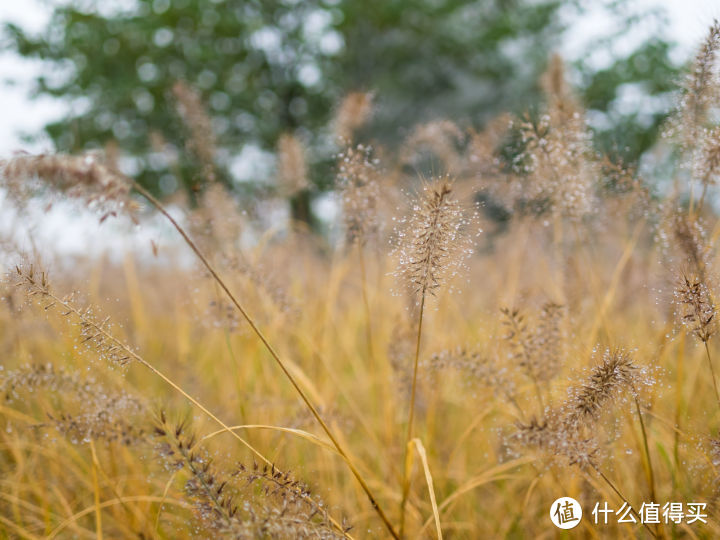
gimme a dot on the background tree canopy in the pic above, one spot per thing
(268, 67)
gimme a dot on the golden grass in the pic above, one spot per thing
(567, 359)
(463, 423)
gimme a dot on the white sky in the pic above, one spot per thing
(689, 21)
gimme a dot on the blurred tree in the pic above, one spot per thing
(265, 67)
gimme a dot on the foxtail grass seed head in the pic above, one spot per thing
(113, 417)
(292, 170)
(615, 375)
(435, 239)
(701, 86)
(556, 442)
(557, 163)
(85, 177)
(358, 181)
(476, 369)
(354, 112)
(84, 409)
(694, 307)
(690, 238)
(194, 115)
(244, 502)
(95, 336)
(538, 348)
(555, 85)
(441, 139)
(707, 166)
(567, 431)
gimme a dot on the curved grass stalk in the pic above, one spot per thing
(281, 364)
(617, 492)
(411, 417)
(43, 289)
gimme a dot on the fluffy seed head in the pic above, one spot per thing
(246, 502)
(475, 367)
(701, 86)
(358, 183)
(441, 138)
(694, 307)
(354, 111)
(435, 242)
(707, 167)
(690, 238)
(195, 117)
(95, 333)
(555, 440)
(616, 373)
(85, 176)
(292, 172)
(556, 162)
(538, 348)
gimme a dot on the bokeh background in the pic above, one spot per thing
(84, 75)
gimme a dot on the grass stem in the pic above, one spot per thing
(411, 418)
(356, 473)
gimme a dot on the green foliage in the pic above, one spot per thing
(456, 59)
(267, 67)
(648, 73)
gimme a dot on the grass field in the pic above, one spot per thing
(426, 370)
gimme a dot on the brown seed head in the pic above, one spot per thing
(202, 141)
(616, 374)
(538, 348)
(694, 307)
(435, 242)
(700, 86)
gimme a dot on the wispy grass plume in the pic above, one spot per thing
(432, 248)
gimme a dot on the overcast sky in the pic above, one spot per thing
(689, 21)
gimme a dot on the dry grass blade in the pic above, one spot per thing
(314, 439)
(96, 490)
(17, 529)
(491, 475)
(106, 504)
(428, 478)
(434, 246)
